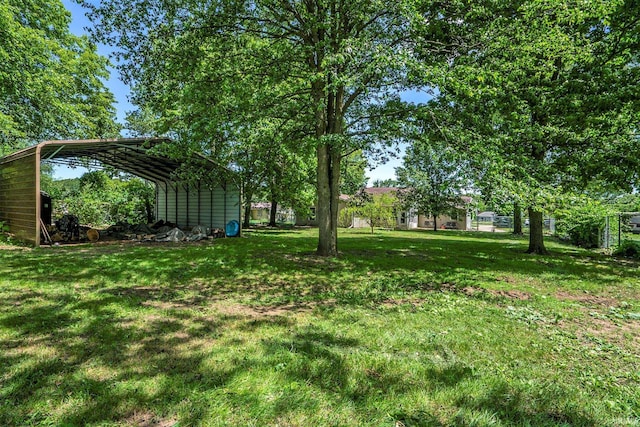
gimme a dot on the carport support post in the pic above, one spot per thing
(37, 195)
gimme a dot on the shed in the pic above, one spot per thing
(209, 201)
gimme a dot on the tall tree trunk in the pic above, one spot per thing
(247, 215)
(536, 239)
(246, 221)
(435, 223)
(517, 219)
(273, 212)
(327, 223)
(329, 121)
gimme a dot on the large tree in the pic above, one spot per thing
(333, 67)
(433, 177)
(547, 99)
(51, 81)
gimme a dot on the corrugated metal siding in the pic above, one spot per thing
(182, 207)
(172, 207)
(205, 207)
(233, 207)
(198, 206)
(218, 207)
(18, 200)
(194, 206)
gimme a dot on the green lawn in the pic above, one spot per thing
(404, 329)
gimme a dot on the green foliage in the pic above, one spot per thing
(433, 177)
(628, 249)
(582, 221)
(626, 202)
(378, 210)
(545, 99)
(3, 227)
(385, 183)
(98, 199)
(326, 77)
(353, 177)
(51, 82)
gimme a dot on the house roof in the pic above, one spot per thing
(132, 155)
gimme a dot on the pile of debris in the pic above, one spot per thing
(161, 231)
(68, 229)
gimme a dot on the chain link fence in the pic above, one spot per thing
(621, 227)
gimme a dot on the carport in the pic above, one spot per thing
(210, 200)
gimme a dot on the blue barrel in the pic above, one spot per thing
(232, 229)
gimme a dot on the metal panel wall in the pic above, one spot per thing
(218, 211)
(199, 205)
(183, 210)
(232, 206)
(206, 202)
(18, 202)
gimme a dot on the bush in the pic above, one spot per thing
(582, 223)
(628, 249)
(99, 199)
(587, 235)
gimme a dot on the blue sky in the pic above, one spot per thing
(121, 93)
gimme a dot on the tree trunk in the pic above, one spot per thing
(435, 223)
(536, 240)
(517, 219)
(247, 214)
(272, 213)
(327, 208)
(246, 222)
(149, 208)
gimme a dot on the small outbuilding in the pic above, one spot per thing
(211, 200)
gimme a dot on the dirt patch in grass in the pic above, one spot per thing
(4, 247)
(476, 291)
(609, 328)
(270, 310)
(511, 294)
(149, 419)
(594, 329)
(587, 299)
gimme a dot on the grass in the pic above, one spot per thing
(403, 329)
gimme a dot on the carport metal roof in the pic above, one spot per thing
(132, 155)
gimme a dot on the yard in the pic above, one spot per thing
(404, 329)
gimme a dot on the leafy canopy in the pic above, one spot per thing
(51, 81)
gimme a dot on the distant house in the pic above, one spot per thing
(487, 216)
(405, 219)
(261, 211)
(634, 224)
(458, 219)
(309, 218)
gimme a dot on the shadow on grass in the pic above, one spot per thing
(107, 332)
(266, 263)
(102, 366)
(512, 406)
